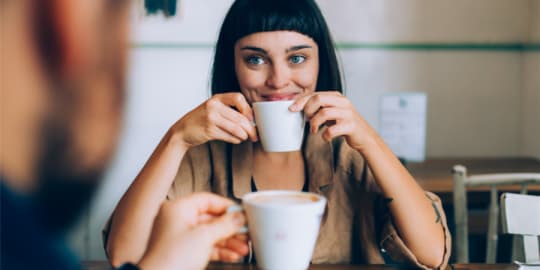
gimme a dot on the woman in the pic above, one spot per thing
(275, 50)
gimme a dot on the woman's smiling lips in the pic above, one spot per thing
(277, 97)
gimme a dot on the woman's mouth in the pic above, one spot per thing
(278, 97)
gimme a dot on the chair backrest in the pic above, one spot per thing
(521, 216)
(461, 182)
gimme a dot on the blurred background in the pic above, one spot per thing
(476, 61)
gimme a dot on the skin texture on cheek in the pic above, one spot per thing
(276, 65)
(254, 85)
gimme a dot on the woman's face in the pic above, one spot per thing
(277, 65)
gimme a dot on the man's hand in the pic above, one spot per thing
(191, 231)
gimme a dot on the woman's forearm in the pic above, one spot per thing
(134, 215)
(415, 216)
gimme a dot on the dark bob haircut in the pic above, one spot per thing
(246, 17)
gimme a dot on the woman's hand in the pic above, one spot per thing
(335, 111)
(225, 117)
(191, 231)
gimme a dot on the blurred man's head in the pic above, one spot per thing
(62, 66)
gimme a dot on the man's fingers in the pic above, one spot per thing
(223, 227)
(239, 246)
(242, 237)
(205, 203)
(226, 255)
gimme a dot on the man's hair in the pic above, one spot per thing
(246, 17)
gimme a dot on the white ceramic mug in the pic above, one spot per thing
(283, 226)
(280, 130)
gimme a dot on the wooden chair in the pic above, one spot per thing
(461, 182)
(521, 216)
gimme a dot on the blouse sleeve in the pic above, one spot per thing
(193, 174)
(392, 244)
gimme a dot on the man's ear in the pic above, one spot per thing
(75, 23)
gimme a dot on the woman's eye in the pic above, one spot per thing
(297, 59)
(255, 60)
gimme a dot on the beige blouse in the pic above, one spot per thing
(357, 226)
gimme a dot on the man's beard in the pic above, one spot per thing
(65, 189)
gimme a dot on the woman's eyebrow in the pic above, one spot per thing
(251, 48)
(298, 47)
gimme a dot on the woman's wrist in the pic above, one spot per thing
(370, 142)
(175, 138)
(368, 147)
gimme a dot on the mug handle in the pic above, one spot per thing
(237, 208)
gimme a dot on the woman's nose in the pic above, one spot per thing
(279, 77)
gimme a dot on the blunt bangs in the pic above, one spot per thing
(277, 15)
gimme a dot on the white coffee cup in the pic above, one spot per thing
(280, 130)
(283, 226)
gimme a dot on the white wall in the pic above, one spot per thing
(530, 136)
(534, 21)
(198, 22)
(372, 21)
(531, 105)
(474, 96)
(427, 20)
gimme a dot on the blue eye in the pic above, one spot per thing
(255, 60)
(297, 59)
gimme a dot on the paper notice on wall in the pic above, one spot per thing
(402, 124)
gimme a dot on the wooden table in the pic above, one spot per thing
(478, 266)
(435, 175)
(103, 265)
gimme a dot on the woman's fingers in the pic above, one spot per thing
(232, 127)
(222, 134)
(336, 112)
(238, 101)
(232, 114)
(337, 130)
(318, 102)
(312, 102)
(241, 121)
(329, 116)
